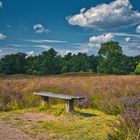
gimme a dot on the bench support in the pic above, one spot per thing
(45, 100)
(69, 106)
(68, 99)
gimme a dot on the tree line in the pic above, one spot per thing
(110, 60)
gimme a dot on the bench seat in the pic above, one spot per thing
(69, 99)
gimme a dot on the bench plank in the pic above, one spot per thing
(69, 99)
(53, 95)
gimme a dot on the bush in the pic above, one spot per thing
(101, 92)
(137, 70)
(5, 101)
(128, 127)
(18, 101)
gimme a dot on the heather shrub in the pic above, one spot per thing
(27, 101)
(110, 108)
(102, 92)
(128, 127)
(5, 101)
(18, 101)
(119, 131)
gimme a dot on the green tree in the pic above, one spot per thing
(137, 70)
(13, 64)
(76, 63)
(46, 63)
(93, 63)
(112, 61)
(109, 48)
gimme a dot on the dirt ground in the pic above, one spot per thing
(8, 132)
(31, 124)
(18, 127)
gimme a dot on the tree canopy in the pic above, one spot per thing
(110, 60)
(137, 70)
(110, 48)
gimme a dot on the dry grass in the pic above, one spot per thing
(84, 124)
(103, 96)
(101, 92)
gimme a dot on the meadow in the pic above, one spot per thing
(95, 116)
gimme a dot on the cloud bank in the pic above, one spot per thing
(97, 40)
(106, 16)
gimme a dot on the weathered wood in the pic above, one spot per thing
(49, 94)
(69, 99)
(69, 106)
(45, 100)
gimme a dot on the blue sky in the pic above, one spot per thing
(32, 26)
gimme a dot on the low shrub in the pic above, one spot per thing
(128, 127)
(18, 101)
(100, 92)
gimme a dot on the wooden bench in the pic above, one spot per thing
(69, 99)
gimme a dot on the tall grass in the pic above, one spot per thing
(128, 126)
(101, 92)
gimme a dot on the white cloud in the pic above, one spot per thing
(26, 45)
(105, 16)
(45, 41)
(128, 39)
(2, 36)
(82, 10)
(63, 52)
(138, 29)
(0, 51)
(1, 4)
(97, 40)
(29, 54)
(39, 28)
(126, 34)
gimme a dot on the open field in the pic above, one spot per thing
(101, 92)
(93, 117)
(84, 124)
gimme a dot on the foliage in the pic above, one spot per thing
(100, 92)
(128, 127)
(137, 70)
(47, 63)
(11, 98)
(13, 64)
(110, 60)
(110, 48)
(108, 94)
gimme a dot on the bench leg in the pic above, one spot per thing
(45, 100)
(69, 106)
